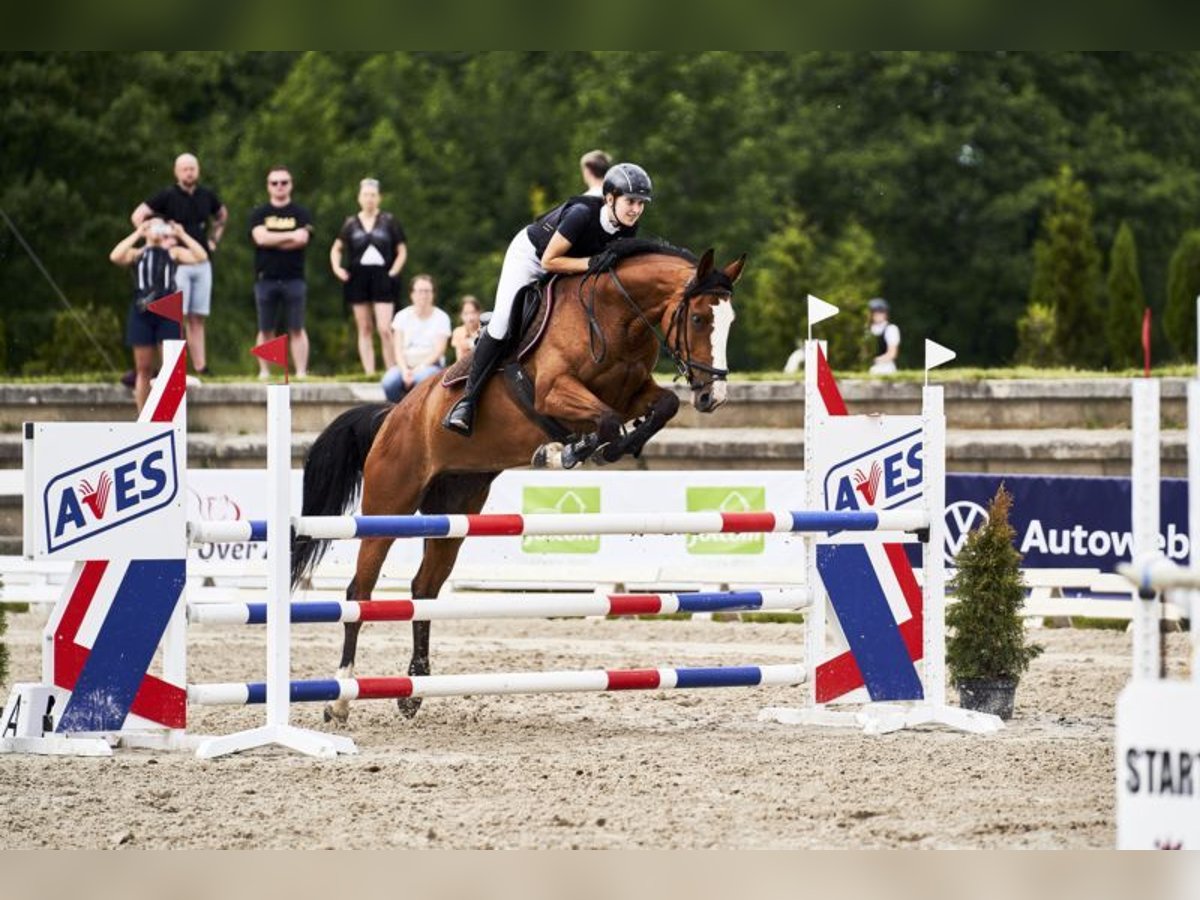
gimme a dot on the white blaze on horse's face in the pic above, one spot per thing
(709, 398)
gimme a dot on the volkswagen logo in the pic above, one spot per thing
(962, 517)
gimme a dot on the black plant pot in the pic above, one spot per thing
(988, 695)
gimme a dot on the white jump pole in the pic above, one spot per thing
(1145, 488)
(277, 730)
(1193, 470)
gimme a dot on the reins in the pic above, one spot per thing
(680, 352)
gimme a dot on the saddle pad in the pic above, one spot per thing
(533, 328)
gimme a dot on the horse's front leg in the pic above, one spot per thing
(660, 405)
(568, 398)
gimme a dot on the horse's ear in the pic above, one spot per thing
(734, 269)
(705, 266)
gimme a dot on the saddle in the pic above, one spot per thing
(531, 314)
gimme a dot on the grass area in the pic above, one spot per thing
(967, 373)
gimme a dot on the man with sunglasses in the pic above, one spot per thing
(280, 231)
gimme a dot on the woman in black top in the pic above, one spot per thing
(562, 242)
(374, 246)
(153, 251)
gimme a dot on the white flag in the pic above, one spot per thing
(819, 310)
(936, 354)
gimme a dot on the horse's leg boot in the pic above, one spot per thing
(461, 418)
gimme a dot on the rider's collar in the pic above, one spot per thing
(610, 227)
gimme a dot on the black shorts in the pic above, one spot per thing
(371, 284)
(147, 329)
(273, 296)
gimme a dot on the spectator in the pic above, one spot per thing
(593, 166)
(886, 336)
(280, 231)
(795, 361)
(154, 265)
(376, 248)
(191, 205)
(420, 333)
(463, 339)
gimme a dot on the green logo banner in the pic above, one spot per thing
(561, 500)
(726, 499)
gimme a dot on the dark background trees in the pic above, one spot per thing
(926, 175)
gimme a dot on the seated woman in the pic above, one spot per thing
(420, 333)
(562, 241)
(465, 335)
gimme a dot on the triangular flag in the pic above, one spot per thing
(273, 351)
(819, 310)
(936, 354)
(169, 307)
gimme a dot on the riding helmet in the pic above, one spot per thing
(629, 179)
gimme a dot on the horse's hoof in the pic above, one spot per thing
(605, 455)
(408, 706)
(338, 711)
(548, 456)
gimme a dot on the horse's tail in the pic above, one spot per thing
(333, 472)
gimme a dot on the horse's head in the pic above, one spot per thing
(698, 332)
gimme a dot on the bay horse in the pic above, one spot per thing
(592, 372)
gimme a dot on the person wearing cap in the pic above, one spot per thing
(886, 337)
(562, 242)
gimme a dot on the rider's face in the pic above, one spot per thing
(626, 210)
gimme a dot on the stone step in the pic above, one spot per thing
(1049, 451)
(240, 408)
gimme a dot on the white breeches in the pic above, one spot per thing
(521, 266)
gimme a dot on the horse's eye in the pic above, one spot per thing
(697, 319)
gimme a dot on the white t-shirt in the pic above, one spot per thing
(890, 332)
(421, 335)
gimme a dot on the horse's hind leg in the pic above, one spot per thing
(449, 493)
(371, 554)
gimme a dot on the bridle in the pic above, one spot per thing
(715, 284)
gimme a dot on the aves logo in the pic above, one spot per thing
(110, 491)
(884, 477)
(96, 498)
(962, 517)
(868, 484)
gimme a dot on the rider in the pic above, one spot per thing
(563, 241)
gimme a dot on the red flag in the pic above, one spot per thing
(274, 352)
(1146, 340)
(169, 307)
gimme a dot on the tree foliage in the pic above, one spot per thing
(1126, 302)
(1183, 287)
(942, 158)
(1066, 273)
(987, 633)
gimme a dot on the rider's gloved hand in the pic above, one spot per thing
(601, 262)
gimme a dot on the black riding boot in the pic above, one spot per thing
(461, 418)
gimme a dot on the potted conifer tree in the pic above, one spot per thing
(986, 648)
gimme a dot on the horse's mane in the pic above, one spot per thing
(626, 248)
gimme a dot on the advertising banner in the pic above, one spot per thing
(94, 491)
(1060, 522)
(1063, 522)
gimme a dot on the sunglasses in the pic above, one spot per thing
(279, 182)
